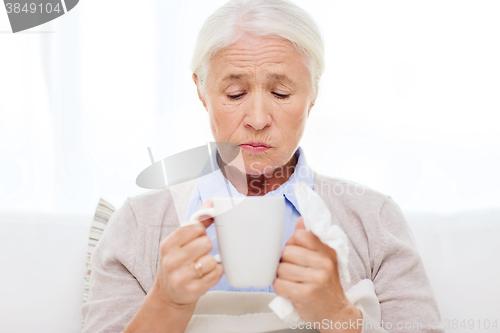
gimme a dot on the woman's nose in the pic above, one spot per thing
(258, 114)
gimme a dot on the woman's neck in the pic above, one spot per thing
(255, 185)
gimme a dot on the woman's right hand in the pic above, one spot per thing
(177, 282)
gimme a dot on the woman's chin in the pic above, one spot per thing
(258, 169)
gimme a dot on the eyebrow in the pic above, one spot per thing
(234, 77)
(279, 77)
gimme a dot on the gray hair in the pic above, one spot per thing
(269, 18)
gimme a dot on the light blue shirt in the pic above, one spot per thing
(215, 185)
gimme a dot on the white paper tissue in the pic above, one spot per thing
(318, 220)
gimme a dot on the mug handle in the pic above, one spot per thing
(208, 212)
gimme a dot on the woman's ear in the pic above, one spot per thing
(195, 79)
(310, 107)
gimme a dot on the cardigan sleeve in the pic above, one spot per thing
(115, 294)
(401, 283)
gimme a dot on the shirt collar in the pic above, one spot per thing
(215, 184)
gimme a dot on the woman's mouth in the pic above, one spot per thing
(255, 147)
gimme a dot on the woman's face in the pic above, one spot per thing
(258, 90)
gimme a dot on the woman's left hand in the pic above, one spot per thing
(308, 276)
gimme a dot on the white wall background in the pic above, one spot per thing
(408, 104)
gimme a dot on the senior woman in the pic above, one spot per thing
(256, 66)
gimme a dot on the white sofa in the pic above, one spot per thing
(43, 257)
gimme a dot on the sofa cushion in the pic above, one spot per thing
(101, 217)
(102, 214)
(459, 252)
(42, 258)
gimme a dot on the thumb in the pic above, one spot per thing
(300, 223)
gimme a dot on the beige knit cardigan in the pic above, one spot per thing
(382, 249)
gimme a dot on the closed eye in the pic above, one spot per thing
(281, 96)
(235, 97)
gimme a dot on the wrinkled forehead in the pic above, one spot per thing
(269, 58)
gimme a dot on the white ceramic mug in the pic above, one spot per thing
(249, 233)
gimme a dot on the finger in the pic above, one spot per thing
(300, 224)
(307, 239)
(185, 234)
(178, 257)
(208, 264)
(296, 273)
(211, 278)
(214, 275)
(285, 288)
(195, 248)
(302, 256)
(290, 241)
